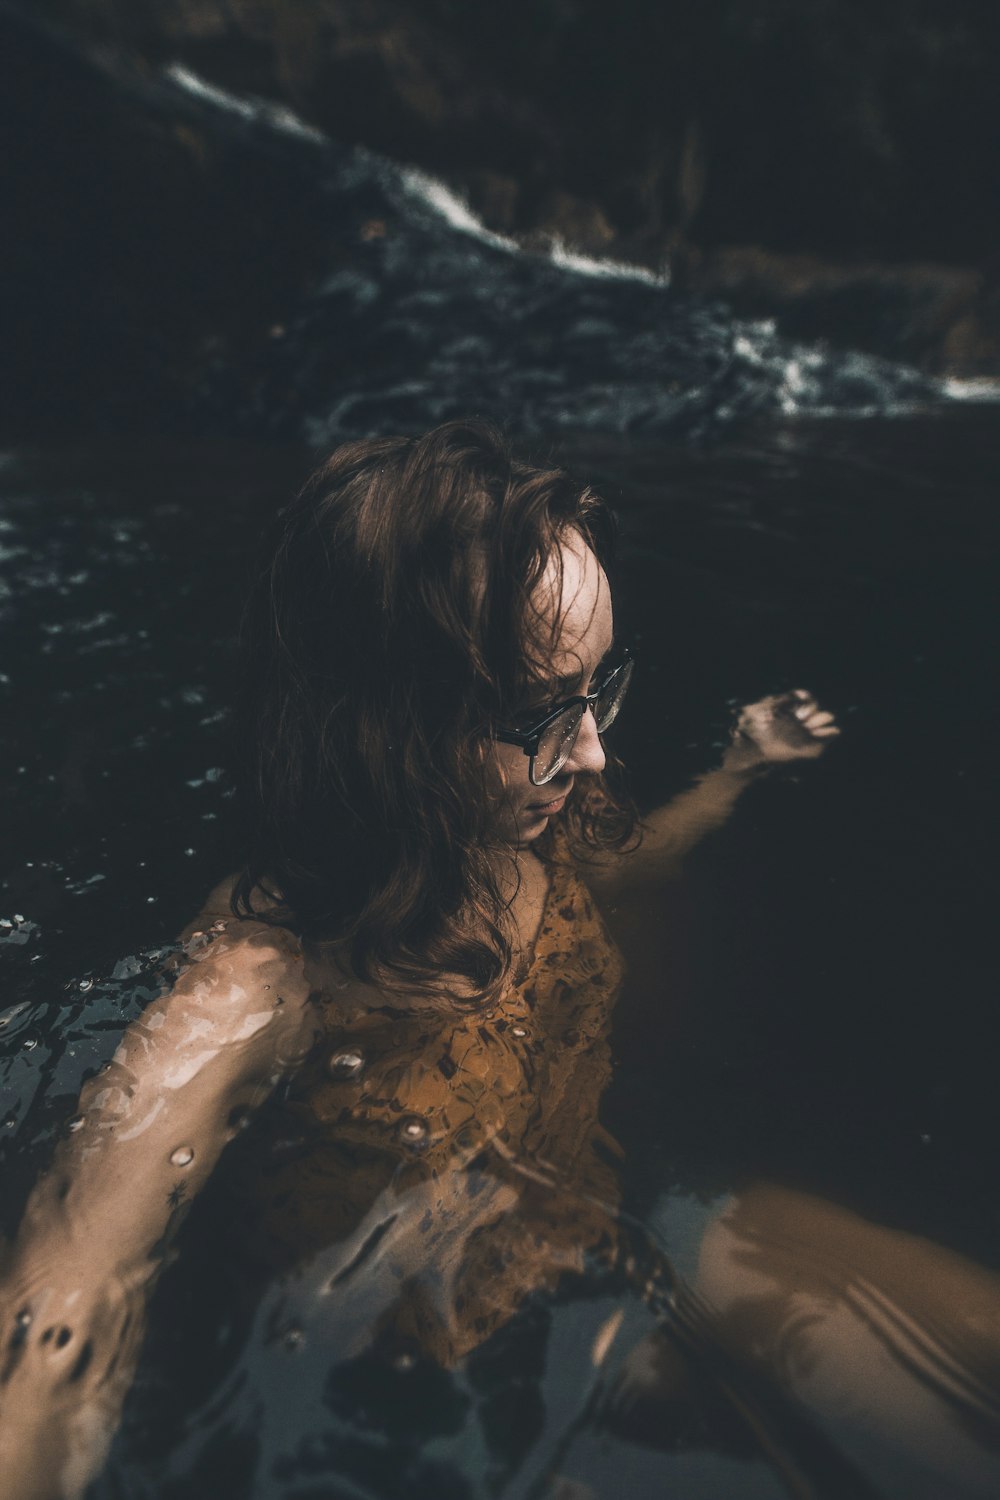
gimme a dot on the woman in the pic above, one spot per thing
(416, 943)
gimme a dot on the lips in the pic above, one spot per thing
(553, 806)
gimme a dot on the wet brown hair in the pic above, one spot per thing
(390, 625)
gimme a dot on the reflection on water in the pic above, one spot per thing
(738, 1236)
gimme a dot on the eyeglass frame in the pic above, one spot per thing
(530, 739)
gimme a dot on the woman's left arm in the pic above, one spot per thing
(776, 731)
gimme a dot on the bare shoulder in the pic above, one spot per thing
(238, 981)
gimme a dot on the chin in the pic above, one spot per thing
(531, 826)
(529, 834)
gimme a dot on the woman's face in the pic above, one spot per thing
(578, 604)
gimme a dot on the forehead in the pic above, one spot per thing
(573, 599)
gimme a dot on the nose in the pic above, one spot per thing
(588, 752)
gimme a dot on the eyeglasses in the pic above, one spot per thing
(550, 742)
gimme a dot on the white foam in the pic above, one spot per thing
(251, 108)
(617, 270)
(438, 196)
(973, 388)
(456, 212)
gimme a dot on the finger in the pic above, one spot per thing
(802, 693)
(825, 732)
(817, 719)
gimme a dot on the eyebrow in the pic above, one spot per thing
(571, 680)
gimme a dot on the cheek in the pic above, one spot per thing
(512, 769)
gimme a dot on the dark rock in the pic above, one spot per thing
(809, 126)
(864, 139)
(141, 250)
(943, 319)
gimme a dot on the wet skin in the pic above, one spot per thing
(240, 1017)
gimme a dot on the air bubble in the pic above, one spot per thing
(413, 1131)
(346, 1064)
(24, 1318)
(86, 984)
(293, 1338)
(182, 1157)
(30, 1043)
(404, 1363)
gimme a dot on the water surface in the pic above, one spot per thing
(823, 1020)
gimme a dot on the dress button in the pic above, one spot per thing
(413, 1132)
(346, 1064)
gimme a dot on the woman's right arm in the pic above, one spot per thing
(149, 1129)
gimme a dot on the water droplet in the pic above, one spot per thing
(86, 984)
(75, 1124)
(518, 1031)
(293, 1338)
(346, 1064)
(239, 1119)
(182, 1157)
(413, 1131)
(30, 1043)
(24, 1318)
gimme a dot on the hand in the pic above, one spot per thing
(782, 728)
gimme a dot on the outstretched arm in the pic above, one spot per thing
(149, 1129)
(776, 731)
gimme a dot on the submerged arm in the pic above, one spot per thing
(775, 731)
(149, 1130)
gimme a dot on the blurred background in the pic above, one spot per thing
(736, 262)
(828, 163)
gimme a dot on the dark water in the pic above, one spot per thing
(823, 1019)
(826, 1019)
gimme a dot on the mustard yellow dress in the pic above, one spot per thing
(431, 1166)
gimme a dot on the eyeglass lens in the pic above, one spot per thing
(556, 744)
